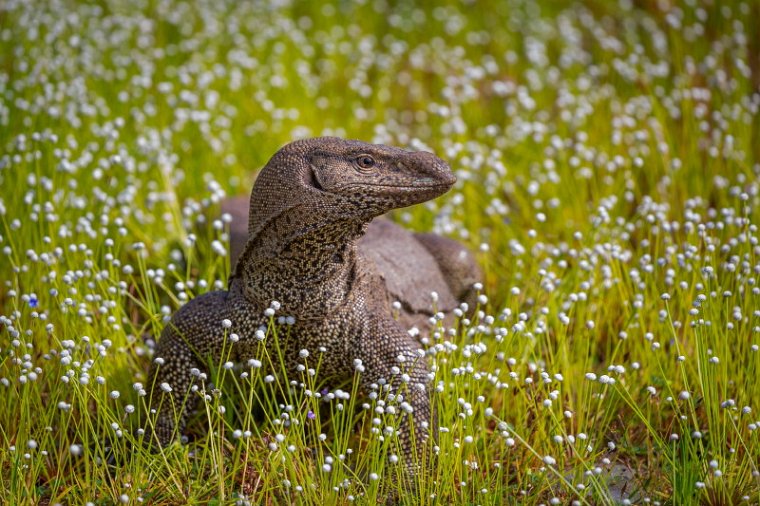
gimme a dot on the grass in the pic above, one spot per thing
(608, 163)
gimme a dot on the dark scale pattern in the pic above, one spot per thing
(412, 265)
(309, 207)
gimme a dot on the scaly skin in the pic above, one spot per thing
(309, 207)
(412, 265)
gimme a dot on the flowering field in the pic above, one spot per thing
(608, 157)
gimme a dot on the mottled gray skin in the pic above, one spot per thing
(412, 265)
(309, 207)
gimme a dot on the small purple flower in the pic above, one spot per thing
(33, 301)
(310, 415)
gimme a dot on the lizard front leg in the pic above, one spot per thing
(393, 357)
(170, 381)
(195, 335)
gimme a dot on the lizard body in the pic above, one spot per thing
(309, 206)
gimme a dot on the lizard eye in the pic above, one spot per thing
(365, 162)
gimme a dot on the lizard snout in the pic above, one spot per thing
(430, 169)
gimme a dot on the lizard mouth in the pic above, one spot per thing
(420, 184)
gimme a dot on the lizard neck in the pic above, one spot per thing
(308, 266)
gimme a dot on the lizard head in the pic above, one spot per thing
(374, 177)
(347, 178)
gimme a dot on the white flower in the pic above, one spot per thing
(218, 248)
